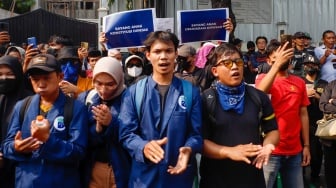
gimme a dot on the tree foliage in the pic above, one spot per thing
(21, 6)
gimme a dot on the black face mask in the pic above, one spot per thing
(185, 65)
(7, 85)
(311, 71)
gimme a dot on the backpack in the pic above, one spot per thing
(68, 108)
(140, 90)
(211, 103)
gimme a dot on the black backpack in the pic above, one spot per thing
(68, 108)
(211, 103)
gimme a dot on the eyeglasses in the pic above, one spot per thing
(228, 63)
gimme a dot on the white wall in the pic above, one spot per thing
(313, 16)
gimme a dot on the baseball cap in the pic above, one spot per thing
(311, 59)
(44, 63)
(299, 34)
(307, 35)
(67, 52)
(186, 50)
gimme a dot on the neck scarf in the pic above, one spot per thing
(231, 98)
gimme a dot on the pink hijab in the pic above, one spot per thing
(201, 55)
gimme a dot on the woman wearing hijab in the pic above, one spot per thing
(12, 89)
(108, 163)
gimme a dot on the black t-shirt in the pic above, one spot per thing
(233, 129)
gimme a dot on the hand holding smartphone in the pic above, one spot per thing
(32, 41)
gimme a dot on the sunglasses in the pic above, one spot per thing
(229, 63)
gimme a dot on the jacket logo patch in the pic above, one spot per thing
(59, 123)
(182, 102)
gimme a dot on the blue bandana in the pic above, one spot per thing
(70, 71)
(231, 98)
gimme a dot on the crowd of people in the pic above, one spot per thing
(138, 119)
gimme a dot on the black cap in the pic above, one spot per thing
(43, 62)
(311, 59)
(307, 35)
(299, 34)
(67, 52)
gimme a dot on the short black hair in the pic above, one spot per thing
(226, 49)
(162, 36)
(272, 47)
(261, 37)
(326, 32)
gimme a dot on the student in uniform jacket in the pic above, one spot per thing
(163, 141)
(48, 155)
(105, 153)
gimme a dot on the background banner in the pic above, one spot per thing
(128, 28)
(202, 25)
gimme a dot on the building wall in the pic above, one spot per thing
(313, 16)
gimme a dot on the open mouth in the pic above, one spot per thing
(236, 74)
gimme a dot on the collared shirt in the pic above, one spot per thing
(328, 71)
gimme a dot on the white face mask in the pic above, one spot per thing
(134, 71)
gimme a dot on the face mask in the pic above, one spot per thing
(70, 71)
(7, 85)
(311, 71)
(134, 71)
(185, 65)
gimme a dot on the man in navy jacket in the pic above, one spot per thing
(47, 155)
(164, 138)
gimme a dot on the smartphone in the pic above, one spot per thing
(84, 45)
(4, 26)
(284, 38)
(32, 41)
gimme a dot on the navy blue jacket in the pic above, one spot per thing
(55, 163)
(181, 131)
(118, 156)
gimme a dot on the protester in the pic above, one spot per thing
(163, 137)
(328, 107)
(12, 89)
(251, 64)
(47, 155)
(300, 52)
(326, 55)
(314, 87)
(227, 152)
(134, 69)
(289, 100)
(17, 52)
(109, 163)
(75, 80)
(186, 67)
(204, 54)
